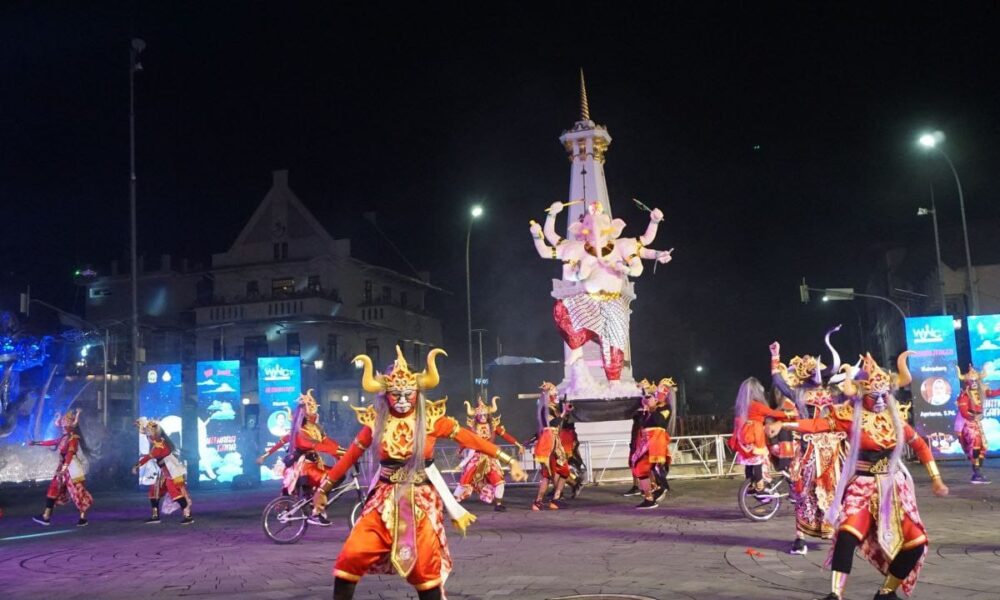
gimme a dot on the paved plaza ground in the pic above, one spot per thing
(695, 546)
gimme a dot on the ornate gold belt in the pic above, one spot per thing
(879, 467)
(604, 296)
(397, 475)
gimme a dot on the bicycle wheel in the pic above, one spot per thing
(760, 507)
(355, 513)
(283, 523)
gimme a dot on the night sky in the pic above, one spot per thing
(779, 143)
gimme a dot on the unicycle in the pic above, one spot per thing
(761, 506)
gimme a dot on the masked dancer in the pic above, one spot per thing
(304, 459)
(748, 440)
(969, 421)
(170, 486)
(68, 482)
(550, 453)
(817, 457)
(874, 509)
(401, 528)
(651, 456)
(482, 473)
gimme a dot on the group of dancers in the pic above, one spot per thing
(167, 492)
(838, 435)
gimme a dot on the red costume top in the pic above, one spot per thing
(878, 432)
(68, 445)
(654, 430)
(485, 421)
(397, 438)
(749, 435)
(310, 439)
(970, 403)
(158, 450)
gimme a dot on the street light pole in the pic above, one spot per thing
(134, 65)
(850, 294)
(969, 275)
(482, 386)
(932, 141)
(475, 213)
(937, 248)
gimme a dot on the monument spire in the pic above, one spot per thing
(586, 143)
(584, 106)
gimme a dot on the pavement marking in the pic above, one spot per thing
(34, 535)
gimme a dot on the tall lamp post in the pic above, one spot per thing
(474, 213)
(932, 211)
(832, 294)
(482, 376)
(932, 141)
(134, 65)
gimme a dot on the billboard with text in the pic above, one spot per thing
(984, 345)
(219, 430)
(935, 385)
(279, 383)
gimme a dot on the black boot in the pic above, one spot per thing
(343, 589)
(431, 594)
(890, 596)
(155, 516)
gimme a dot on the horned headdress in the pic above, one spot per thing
(69, 419)
(401, 379)
(482, 412)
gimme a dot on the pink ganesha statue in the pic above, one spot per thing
(592, 299)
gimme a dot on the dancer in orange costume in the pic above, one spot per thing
(652, 446)
(170, 481)
(817, 458)
(401, 528)
(875, 508)
(969, 421)
(748, 440)
(68, 482)
(482, 473)
(305, 460)
(550, 453)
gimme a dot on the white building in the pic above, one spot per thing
(284, 287)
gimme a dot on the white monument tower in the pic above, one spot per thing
(587, 143)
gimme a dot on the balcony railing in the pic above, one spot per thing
(332, 295)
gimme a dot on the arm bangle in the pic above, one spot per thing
(932, 470)
(504, 457)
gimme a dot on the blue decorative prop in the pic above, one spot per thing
(18, 352)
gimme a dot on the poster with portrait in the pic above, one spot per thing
(279, 383)
(160, 397)
(984, 344)
(219, 429)
(935, 383)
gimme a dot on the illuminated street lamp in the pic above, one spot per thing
(932, 141)
(474, 213)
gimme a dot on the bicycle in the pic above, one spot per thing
(761, 506)
(286, 518)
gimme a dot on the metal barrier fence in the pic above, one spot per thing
(693, 457)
